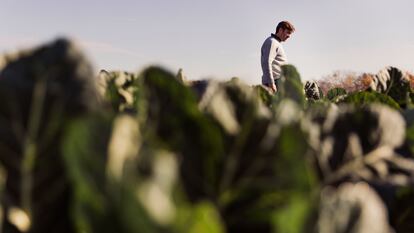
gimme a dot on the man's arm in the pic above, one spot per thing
(269, 54)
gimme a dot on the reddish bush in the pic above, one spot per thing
(349, 81)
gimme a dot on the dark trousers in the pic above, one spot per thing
(278, 82)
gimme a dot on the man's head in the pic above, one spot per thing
(284, 29)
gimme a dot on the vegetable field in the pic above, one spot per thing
(151, 152)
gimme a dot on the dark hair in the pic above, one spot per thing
(285, 25)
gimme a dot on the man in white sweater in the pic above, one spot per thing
(273, 55)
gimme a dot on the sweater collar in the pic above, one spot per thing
(276, 37)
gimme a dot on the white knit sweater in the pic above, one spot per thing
(273, 57)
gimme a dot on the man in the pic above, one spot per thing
(273, 55)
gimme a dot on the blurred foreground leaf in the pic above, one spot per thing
(44, 88)
(100, 203)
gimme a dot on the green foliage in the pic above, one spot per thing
(230, 180)
(114, 189)
(202, 218)
(175, 156)
(121, 90)
(399, 88)
(174, 119)
(99, 205)
(45, 89)
(267, 180)
(291, 73)
(336, 94)
(291, 86)
(264, 95)
(296, 179)
(321, 92)
(296, 213)
(365, 98)
(403, 212)
(395, 83)
(410, 137)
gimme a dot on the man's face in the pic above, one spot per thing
(284, 34)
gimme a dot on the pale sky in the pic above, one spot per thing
(218, 38)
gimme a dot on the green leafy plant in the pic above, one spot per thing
(366, 98)
(152, 152)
